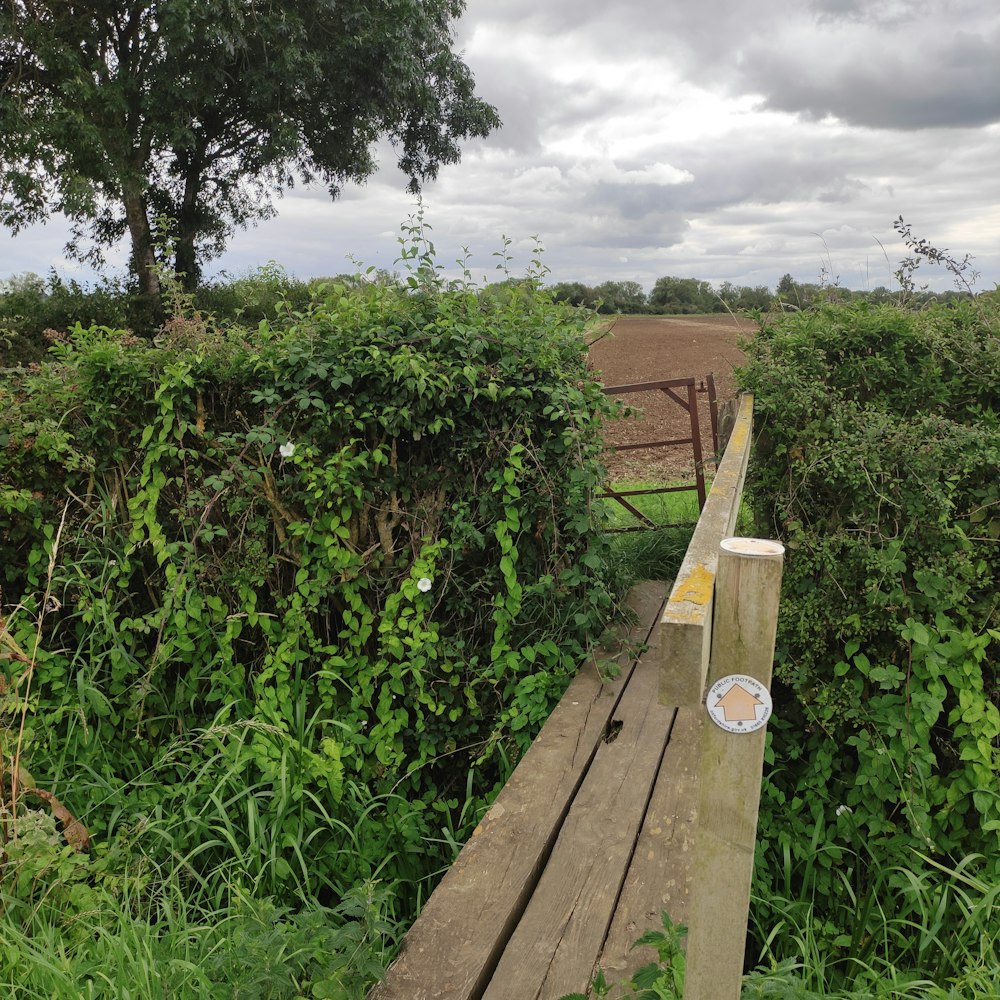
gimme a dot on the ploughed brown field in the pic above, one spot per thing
(649, 348)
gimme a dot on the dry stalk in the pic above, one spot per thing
(280, 514)
(30, 671)
(386, 522)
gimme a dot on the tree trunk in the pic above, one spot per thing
(148, 313)
(185, 259)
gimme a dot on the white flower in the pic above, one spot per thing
(423, 584)
(844, 809)
(287, 449)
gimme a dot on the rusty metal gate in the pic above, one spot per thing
(687, 399)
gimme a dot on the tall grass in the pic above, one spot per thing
(654, 554)
(151, 935)
(930, 930)
(191, 897)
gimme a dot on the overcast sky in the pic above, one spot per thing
(722, 139)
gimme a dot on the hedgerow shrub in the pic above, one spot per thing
(32, 306)
(255, 296)
(294, 588)
(36, 310)
(877, 464)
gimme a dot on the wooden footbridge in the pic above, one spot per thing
(631, 801)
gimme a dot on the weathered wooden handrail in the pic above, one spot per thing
(720, 622)
(687, 617)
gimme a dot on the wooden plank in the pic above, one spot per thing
(688, 615)
(713, 415)
(451, 950)
(658, 878)
(699, 463)
(553, 950)
(746, 616)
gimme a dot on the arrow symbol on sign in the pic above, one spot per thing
(739, 705)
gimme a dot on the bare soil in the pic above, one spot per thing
(649, 348)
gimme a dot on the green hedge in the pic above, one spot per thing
(350, 561)
(33, 310)
(877, 464)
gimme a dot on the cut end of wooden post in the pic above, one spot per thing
(763, 547)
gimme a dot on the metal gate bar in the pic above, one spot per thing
(690, 404)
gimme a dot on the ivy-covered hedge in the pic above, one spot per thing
(348, 557)
(877, 464)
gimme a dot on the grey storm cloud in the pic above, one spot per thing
(884, 82)
(725, 175)
(529, 101)
(897, 64)
(638, 201)
(881, 12)
(655, 229)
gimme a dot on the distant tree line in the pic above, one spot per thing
(33, 309)
(679, 296)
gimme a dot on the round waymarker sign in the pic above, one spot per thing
(739, 704)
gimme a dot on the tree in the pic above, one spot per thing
(803, 295)
(122, 113)
(621, 297)
(756, 297)
(729, 294)
(574, 292)
(786, 288)
(682, 295)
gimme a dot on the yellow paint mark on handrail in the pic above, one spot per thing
(738, 438)
(692, 593)
(696, 587)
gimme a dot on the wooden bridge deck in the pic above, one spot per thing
(585, 846)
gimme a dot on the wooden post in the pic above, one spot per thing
(747, 589)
